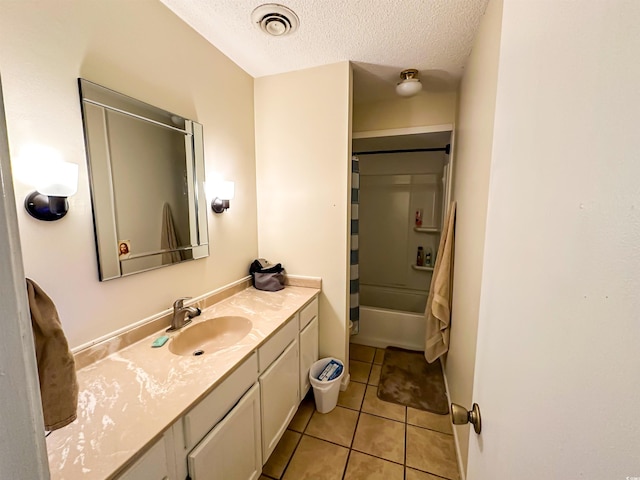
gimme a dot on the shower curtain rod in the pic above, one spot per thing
(446, 149)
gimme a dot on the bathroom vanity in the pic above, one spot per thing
(149, 413)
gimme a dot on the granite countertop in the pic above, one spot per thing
(130, 398)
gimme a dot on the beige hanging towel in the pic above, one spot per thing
(438, 311)
(169, 238)
(56, 366)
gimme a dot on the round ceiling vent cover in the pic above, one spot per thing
(276, 20)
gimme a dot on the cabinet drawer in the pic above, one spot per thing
(204, 416)
(276, 345)
(308, 313)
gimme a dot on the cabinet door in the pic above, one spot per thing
(152, 465)
(232, 450)
(308, 354)
(279, 390)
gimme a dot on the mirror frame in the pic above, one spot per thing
(95, 101)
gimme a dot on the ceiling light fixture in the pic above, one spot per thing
(410, 84)
(275, 20)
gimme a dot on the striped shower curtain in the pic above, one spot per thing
(354, 278)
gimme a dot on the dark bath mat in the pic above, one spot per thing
(408, 379)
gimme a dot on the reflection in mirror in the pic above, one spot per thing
(146, 167)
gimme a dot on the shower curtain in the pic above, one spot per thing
(354, 278)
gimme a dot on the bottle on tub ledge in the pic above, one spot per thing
(427, 258)
(420, 257)
(419, 217)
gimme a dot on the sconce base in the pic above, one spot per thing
(44, 207)
(218, 205)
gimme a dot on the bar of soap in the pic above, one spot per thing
(160, 341)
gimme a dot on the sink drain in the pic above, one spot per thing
(198, 352)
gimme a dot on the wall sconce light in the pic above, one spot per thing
(224, 192)
(54, 182)
(410, 84)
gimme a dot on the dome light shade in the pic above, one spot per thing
(410, 85)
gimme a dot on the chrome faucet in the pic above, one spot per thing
(182, 315)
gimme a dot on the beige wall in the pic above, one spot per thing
(426, 108)
(143, 50)
(303, 146)
(473, 149)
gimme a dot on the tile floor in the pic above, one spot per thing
(364, 437)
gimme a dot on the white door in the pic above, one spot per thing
(23, 452)
(558, 359)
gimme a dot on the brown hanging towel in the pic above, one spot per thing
(56, 366)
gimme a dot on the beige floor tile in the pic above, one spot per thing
(432, 421)
(380, 437)
(374, 376)
(303, 415)
(352, 396)
(337, 426)
(365, 467)
(317, 460)
(359, 371)
(379, 356)
(418, 475)
(280, 457)
(372, 404)
(432, 452)
(361, 353)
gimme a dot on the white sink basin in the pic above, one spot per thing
(210, 336)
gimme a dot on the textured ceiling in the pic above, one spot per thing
(381, 37)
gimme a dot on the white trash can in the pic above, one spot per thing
(325, 393)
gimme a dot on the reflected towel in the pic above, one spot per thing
(438, 311)
(56, 366)
(168, 237)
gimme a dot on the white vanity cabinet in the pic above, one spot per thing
(232, 431)
(308, 343)
(279, 385)
(232, 450)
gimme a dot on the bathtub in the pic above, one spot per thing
(391, 316)
(381, 327)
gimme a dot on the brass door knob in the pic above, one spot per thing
(461, 416)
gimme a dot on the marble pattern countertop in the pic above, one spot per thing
(130, 398)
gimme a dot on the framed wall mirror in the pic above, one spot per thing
(146, 168)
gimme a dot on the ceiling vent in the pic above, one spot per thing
(275, 20)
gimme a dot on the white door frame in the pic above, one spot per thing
(23, 452)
